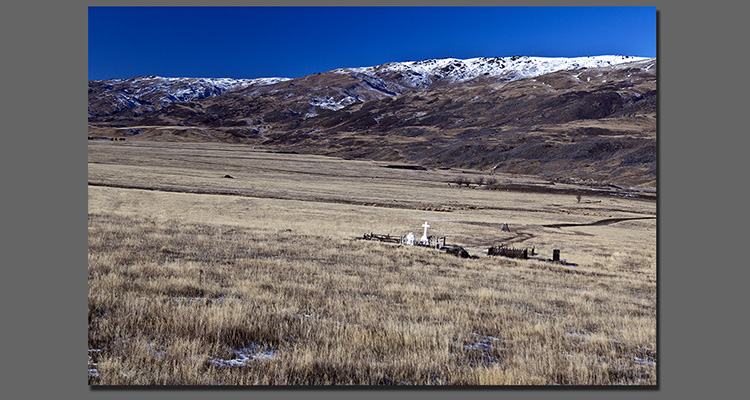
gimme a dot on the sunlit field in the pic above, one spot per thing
(218, 264)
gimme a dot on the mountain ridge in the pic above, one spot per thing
(392, 78)
(588, 123)
(113, 95)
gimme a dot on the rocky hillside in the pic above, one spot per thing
(150, 93)
(589, 119)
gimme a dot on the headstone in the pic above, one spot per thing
(424, 239)
(409, 239)
(505, 228)
(556, 255)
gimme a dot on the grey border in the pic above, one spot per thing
(701, 85)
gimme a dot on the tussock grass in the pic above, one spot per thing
(200, 289)
(351, 312)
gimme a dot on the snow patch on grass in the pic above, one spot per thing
(484, 345)
(244, 356)
(644, 361)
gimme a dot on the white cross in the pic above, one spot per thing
(424, 236)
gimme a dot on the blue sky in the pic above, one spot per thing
(254, 42)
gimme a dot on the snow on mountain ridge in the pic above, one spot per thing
(150, 91)
(421, 74)
(226, 82)
(184, 89)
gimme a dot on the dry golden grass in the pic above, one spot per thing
(180, 278)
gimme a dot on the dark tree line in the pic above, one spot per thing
(478, 181)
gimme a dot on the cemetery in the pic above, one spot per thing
(438, 242)
(174, 244)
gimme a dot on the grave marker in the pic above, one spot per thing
(424, 239)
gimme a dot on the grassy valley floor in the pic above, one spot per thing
(259, 279)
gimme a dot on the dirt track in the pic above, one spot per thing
(606, 221)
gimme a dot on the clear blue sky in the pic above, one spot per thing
(254, 42)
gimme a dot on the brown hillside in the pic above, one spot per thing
(596, 125)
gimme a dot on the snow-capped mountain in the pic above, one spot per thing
(397, 78)
(587, 118)
(149, 93)
(401, 77)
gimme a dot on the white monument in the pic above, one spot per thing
(409, 239)
(424, 239)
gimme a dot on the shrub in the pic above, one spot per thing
(460, 180)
